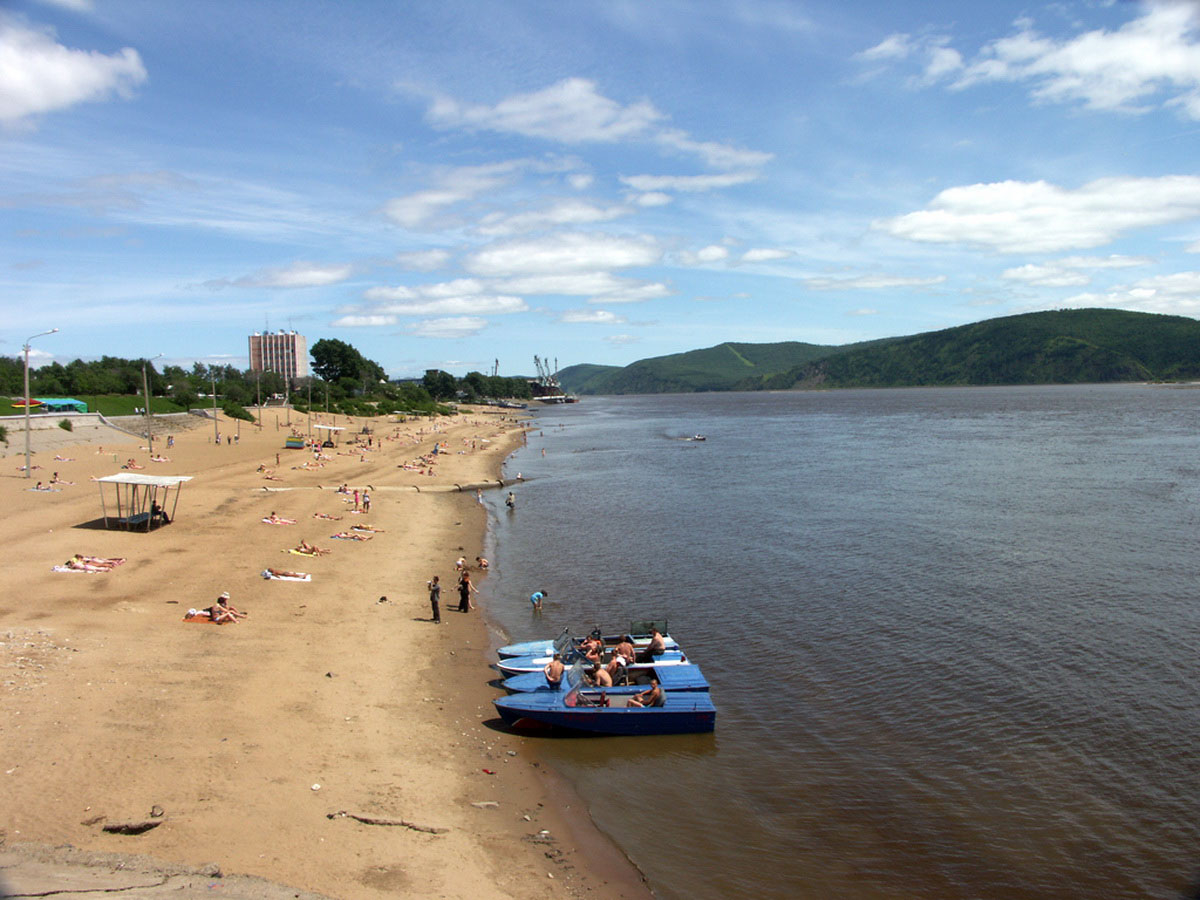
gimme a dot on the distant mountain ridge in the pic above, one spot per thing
(1075, 346)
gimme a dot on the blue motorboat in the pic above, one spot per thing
(593, 711)
(672, 678)
(519, 665)
(639, 631)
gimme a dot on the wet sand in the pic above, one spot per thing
(326, 699)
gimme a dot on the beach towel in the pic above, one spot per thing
(268, 521)
(293, 550)
(90, 570)
(300, 576)
(202, 616)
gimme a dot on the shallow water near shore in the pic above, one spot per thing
(951, 633)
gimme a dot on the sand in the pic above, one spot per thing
(326, 699)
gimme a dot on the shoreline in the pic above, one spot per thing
(118, 706)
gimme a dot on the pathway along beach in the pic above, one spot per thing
(327, 699)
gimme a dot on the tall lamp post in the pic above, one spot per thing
(146, 389)
(28, 472)
(216, 429)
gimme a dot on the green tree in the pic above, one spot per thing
(440, 385)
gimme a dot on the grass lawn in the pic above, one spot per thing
(125, 404)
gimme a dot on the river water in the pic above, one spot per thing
(953, 635)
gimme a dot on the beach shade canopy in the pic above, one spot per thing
(333, 430)
(62, 404)
(141, 501)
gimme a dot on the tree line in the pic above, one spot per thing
(343, 381)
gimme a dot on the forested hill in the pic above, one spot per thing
(1062, 347)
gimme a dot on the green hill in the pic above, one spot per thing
(720, 368)
(1060, 347)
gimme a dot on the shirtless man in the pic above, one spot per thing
(653, 696)
(657, 646)
(554, 671)
(600, 677)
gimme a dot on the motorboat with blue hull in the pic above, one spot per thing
(607, 711)
(639, 631)
(519, 665)
(672, 678)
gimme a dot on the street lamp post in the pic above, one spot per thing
(216, 429)
(146, 389)
(28, 472)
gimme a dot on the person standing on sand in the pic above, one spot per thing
(464, 592)
(435, 596)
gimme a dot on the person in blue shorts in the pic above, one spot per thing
(536, 599)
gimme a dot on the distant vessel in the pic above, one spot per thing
(545, 387)
(696, 437)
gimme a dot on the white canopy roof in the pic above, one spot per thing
(152, 480)
(331, 427)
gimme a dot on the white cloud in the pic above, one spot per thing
(1153, 55)
(620, 339)
(1022, 217)
(423, 260)
(570, 111)
(862, 311)
(469, 305)
(567, 212)
(894, 46)
(868, 282)
(363, 321)
(1177, 294)
(455, 288)
(38, 74)
(564, 254)
(1046, 276)
(654, 198)
(455, 327)
(1067, 272)
(719, 156)
(455, 185)
(764, 254)
(592, 317)
(688, 183)
(297, 275)
(710, 254)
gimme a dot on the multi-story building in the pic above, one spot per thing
(285, 352)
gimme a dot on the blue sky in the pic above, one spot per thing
(450, 184)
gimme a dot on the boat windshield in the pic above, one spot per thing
(563, 643)
(575, 675)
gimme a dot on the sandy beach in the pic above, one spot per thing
(336, 695)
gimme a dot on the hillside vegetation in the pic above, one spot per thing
(1060, 347)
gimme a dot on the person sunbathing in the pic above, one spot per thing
(64, 459)
(270, 572)
(132, 465)
(160, 459)
(326, 516)
(273, 519)
(370, 528)
(351, 536)
(305, 547)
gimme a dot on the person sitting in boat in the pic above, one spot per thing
(657, 646)
(599, 676)
(554, 671)
(592, 648)
(624, 649)
(653, 696)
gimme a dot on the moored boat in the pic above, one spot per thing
(639, 631)
(672, 678)
(607, 711)
(518, 665)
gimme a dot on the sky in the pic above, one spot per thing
(465, 185)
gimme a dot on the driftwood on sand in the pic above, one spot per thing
(378, 820)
